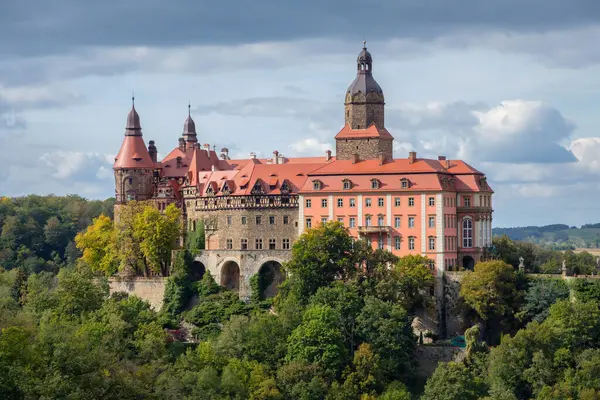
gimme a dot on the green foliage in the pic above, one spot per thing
(178, 288)
(37, 232)
(542, 293)
(194, 240)
(586, 289)
(452, 381)
(492, 292)
(317, 340)
(319, 256)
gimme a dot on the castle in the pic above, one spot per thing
(253, 209)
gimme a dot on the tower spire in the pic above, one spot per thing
(133, 127)
(189, 128)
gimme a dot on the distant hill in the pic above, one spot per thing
(556, 235)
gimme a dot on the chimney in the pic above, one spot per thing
(447, 164)
(381, 158)
(178, 162)
(328, 155)
(276, 157)
(252, 155)
(152, 151)
(441, 158)
(412, 157)
(182, 144)
(354, 158)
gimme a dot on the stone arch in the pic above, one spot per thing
(197, 271)
(230, 275)
(468, 263)
(270, 277)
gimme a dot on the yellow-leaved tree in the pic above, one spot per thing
(156, 234)
(97, 243)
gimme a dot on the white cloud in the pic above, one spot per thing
(310, 146)
(77, 166)
(587, 151)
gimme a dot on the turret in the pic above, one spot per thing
(134, 164)
(189, 130)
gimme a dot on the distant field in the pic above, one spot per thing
(595, 252)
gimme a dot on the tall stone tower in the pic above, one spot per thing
(364, 135)
(134, 166)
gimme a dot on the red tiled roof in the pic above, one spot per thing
(133, 154)
(371, 132)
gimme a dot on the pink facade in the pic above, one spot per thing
(437, 208)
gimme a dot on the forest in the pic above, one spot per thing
(339, 327)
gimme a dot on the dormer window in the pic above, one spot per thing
(285, 187)
(404, 183)
(317, 184)
(347, 184)
(258, 187)
(374, 183)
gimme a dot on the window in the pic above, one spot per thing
(271, 220)
(347, 185)
(380, 202)
(432, 201)
(467, 233)
(397, 243)
(324, 203)
(411, 243)
(308, 222)
(397, 201)
(229, 220)
(244, 244)
(285, 244)
(340, 202)
(368, 220)
(404, 183)
(258, 244)
(431, 221)
(368, 203)
(467, 201)
(380, 220)
(323, 220)
(286, 219)
(352, 202)
(340, 219)
(317, 185)
(411, 222)
(380, 243)
(431, 243)
(258, 219)
(374, 184)
(272, 244)
(244, 220)
(396, 222)
(352, 222)
(229, 244)
(411, 201)
(308, 203)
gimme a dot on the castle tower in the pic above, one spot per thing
(134, 165)
(189, 130)
(364, 134)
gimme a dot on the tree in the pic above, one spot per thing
(319, 256)
(178, 288)
(98, 247)
(452, 381)
(542, 293)
(415, 278)
(157, 234)
(491, 290)
(387, 328)
(318, 340)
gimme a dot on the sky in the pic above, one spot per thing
(512, 87)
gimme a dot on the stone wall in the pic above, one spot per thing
(429, 356)
(150, 289)
(367, 149)
(249, 262)
(361, 111)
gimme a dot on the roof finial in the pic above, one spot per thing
(364, 44)
(189, 109)
(132, 99)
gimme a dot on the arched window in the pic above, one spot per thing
(467, 226)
